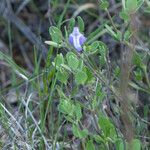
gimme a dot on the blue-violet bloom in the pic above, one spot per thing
(77, 39)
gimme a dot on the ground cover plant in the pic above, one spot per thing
(74, 75)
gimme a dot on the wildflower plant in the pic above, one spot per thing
(87, 95)
(98, 80)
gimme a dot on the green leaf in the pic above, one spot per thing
(81, 65)
(53, 44)
(137, 60)
(110, 31)
(102, 60)
(103, 48)
(79, 133)
(69, 118)
(131, 5)
(98, 138)
(103, 52)
(59, 60)
(135, 86)
(71, 24)
(78, 111)
(119, 36)
(90, 145)
(61, 93)
(56, 34)
(124, 15)
(99, 92)
(80, 23)
(138, 74)
(73, 62)
(104, 4)
(66, 107)
(136, 144)
(107, 127)
(70, 54)
(89, 74)
(117, 71)
(80, 77)
(93, 47)
(127, 35)
(63, 76)
(119, 144)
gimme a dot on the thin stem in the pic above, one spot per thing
(123, 4)
(110, 18)
(146, 76)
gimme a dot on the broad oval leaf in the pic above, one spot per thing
(56, 34)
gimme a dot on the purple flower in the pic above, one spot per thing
(77, 39)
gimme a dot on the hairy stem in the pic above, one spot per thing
(126, 62)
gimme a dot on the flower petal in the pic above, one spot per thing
(77, 39)
(70, 39)
(82, 40)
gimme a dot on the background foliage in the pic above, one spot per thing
(53, 97)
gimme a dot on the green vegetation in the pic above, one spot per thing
(90, 90)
